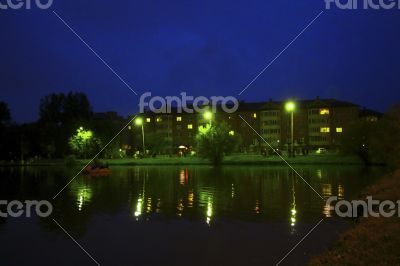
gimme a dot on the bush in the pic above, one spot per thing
(214, 142)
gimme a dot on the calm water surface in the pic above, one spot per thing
(176, 215)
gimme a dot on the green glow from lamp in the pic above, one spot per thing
(290, 106)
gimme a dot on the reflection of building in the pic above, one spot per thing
(318, 123)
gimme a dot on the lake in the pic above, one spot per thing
(173, 215)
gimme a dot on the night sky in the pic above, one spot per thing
(201, 47)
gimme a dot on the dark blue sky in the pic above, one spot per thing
(201, 47)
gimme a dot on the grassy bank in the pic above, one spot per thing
(373, 241)
(240, 159)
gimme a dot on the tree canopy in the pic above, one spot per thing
(214, 142)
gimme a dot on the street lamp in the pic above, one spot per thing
(139, 122)
(290, 106)
(208, 116)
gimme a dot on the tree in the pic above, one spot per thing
(5, 115)
(157, 143)
(214, 142)
(60, 115)
(356, 139)
(385, 140)
(84, 143)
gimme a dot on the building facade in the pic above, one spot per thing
(317, 123)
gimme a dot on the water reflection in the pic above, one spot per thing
(201, 194)
(293, 210)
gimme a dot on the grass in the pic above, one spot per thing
(373, 241)
(241, 159)
(238, 159)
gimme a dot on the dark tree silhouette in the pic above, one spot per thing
(5, 115)
(60, 116)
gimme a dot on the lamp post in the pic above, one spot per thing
(290, 107)
(139, 122)
(208, 116)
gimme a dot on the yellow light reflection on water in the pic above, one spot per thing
(257, 207)
(190, 199)
(84, 196)
(148, 205)
(180, 207)
(340, 192)
(209, 210)
(139, 206)
(326, 190)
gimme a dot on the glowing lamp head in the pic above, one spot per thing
(208, 115)
(139, 121)
(290, 106)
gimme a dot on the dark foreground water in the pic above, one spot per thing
(176, 215)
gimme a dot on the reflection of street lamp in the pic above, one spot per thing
(139, 122)
(208, 116)
(293, 211)
(290, 107)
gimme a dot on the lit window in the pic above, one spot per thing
(325, 130)
(232, 133)
(190, 126)
(255, 115)
(148, 120)
(158, 119)
(324, 111)
(339, 130)
(178, 118)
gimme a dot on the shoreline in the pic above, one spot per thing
(228, 160)
(371, 241)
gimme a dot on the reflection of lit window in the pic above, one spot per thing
(325, 130)
(148, 205)
(324, 111)
(190, 199)
(326, 190)
(257, 207)
(190, 126)
(178, 118)
(232, 133)
(255, 115)
(180, 207)
(158, 119)
(182, 177)
(327, 210)
(340, 192)
(148, 120)
(339, 130)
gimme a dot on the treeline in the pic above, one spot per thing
(60, 116)
(375, 142)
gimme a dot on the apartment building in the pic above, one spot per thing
(317, 123)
